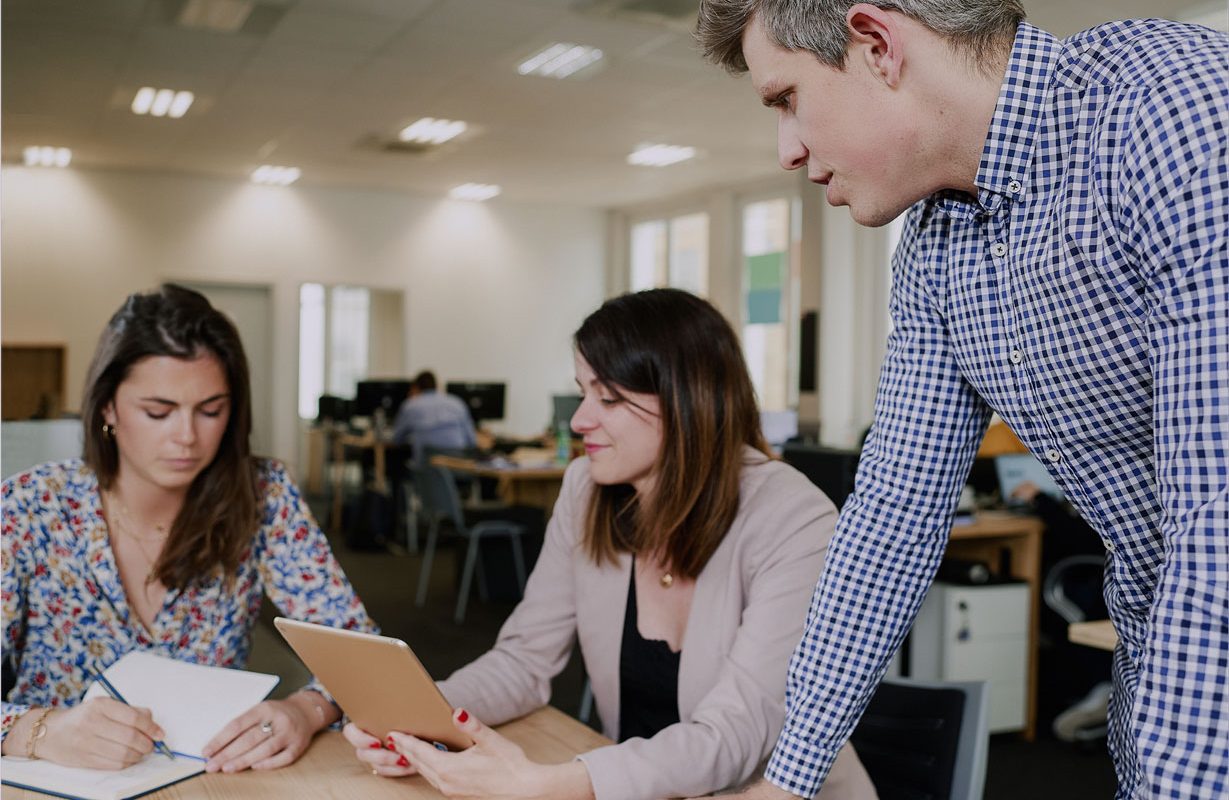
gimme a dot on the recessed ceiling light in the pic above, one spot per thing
(430, 130)
(474, 191)
(47, 156)
(660, 155)
(271, 175)
(161, 102)
(559, 60)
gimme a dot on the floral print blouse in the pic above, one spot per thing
(66, 616)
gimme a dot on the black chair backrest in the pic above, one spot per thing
(830, 469)
(908, 740)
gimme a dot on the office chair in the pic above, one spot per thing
(1073, 589)
(437, 492)
(926, 741)
(830, 469)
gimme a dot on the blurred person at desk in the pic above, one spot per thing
(431, 420)
(163, 538)
(680, 554)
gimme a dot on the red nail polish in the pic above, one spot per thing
(463, 717)
(376, 745)
(389, 745)
(403, 762)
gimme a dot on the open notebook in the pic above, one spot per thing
(191, 702)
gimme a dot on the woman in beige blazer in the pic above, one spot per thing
(680, 554)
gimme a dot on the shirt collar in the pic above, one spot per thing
(1007, 155)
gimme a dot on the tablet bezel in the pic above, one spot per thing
(376, 680)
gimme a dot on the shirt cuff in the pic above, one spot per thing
(799, 766)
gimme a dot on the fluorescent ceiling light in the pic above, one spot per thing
(560, 60)
(161, 102)
(660, 155)
(474, 191)
(271, 175)
(430, 130)
(48, 156)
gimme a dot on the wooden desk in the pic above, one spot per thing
(379, 480)
(329, 769)
(1099, 634)
(535, 486)
(984, 539)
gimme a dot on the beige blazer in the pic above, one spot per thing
(746, 617)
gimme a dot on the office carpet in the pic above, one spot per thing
(387, 582)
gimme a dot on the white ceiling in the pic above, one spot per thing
(319, 80)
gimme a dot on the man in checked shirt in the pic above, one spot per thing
(1064, 264)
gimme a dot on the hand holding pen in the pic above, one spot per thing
(99, 733)
(110, 689)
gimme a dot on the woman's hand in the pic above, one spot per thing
(493, 768)
(377, 755)
(100, 733)
(269, 735)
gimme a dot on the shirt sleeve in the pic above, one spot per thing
(13, 591)
(1180, 720)
(298, 570)
(891, 533)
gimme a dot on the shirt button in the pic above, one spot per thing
(998, 249)
(1014, 186)
(1053, 456)
(1016, 356)
(1109, 546)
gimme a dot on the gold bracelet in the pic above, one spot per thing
(37, 732)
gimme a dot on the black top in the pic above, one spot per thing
(648, 678)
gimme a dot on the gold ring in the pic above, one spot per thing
(375, 771)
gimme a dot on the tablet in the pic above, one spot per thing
(378, 682)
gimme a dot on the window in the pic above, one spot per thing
(770, 301)
(334, 325)
(671, 252)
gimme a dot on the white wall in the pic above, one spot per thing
(492, 291)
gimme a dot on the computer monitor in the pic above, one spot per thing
(385, 394)
(1016, 468)
(332, 407)
(484, 400)
(563, 408)
(830, 469)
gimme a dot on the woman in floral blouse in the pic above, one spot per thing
(164, 537)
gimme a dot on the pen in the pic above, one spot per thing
(115, 695)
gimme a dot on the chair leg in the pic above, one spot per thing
(467, 578)
(428, 556)
(518, 563)
(411, 520)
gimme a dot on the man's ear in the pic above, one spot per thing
(876, 40)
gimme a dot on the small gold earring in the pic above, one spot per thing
(108, 430)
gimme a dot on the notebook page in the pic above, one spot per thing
(191, 702)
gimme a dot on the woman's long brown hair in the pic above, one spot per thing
(674, 345)
(219, 516)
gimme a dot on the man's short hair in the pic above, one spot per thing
(425, 381)
(983, 29)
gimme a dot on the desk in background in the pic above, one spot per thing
(984, 539)
(329, 769)
(536, 486)
(1099, 634)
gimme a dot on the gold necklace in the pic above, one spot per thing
(123, 525)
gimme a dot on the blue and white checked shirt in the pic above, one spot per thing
(1084, 296)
